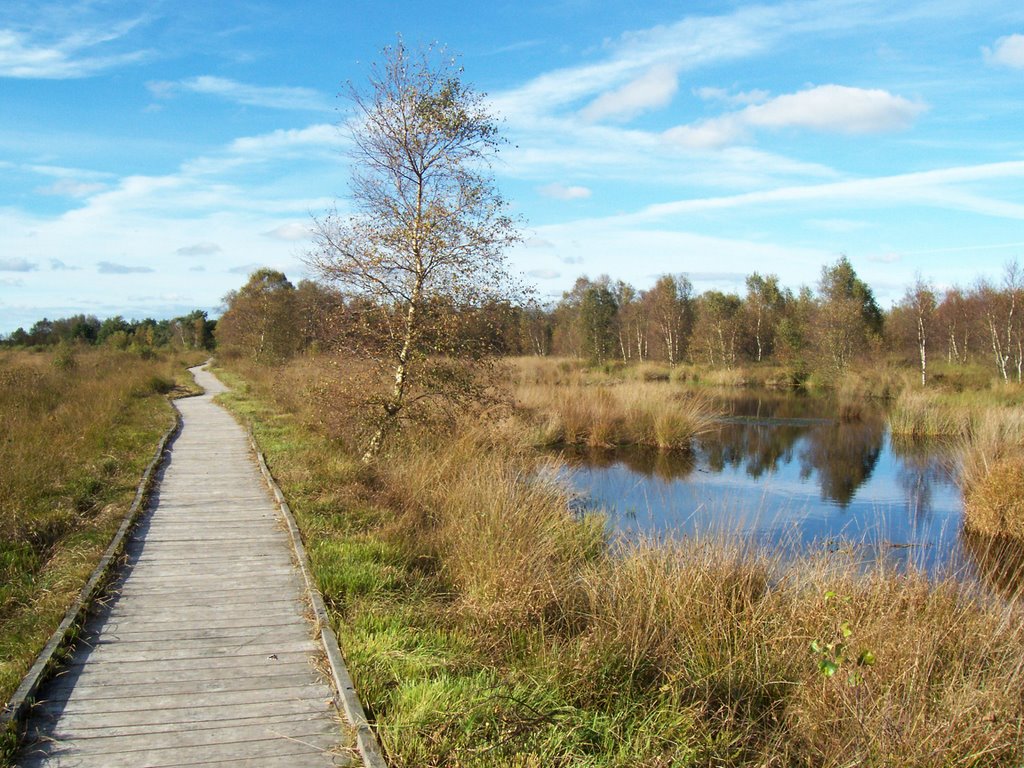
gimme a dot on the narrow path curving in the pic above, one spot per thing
(204, 654)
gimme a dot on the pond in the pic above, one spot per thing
(782, 470)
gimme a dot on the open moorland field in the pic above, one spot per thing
(486, 626)
(77, 428)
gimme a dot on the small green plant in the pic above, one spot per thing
(834, 655)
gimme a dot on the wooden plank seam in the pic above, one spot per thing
(15, 710)
(345, 691)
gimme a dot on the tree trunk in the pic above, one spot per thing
(921, 342)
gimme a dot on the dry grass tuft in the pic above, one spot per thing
(634, 413)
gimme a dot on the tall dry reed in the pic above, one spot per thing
(635, 413)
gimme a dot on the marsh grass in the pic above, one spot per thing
(485, 627)
(568, 404)
(77, 428)
(992, 473)
(988, 426)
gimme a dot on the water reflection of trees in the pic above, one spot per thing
(768, 434)
(844, 456)
(757, 448)
(649, 462)
(922, 465)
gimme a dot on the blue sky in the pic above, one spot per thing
(153, 153)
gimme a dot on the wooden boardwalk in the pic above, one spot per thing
(204, 654)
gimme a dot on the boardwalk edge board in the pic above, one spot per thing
(13, 713)
(369, 747)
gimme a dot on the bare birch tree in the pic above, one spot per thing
(428, 227)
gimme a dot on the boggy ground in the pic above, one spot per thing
(485, 626)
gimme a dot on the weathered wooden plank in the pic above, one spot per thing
(131, 626)
(306, 729)
(313, 750)
(66, 730)
(50, 720)
(310, 691)
(118, 689)
(147, 675)
(167, 611)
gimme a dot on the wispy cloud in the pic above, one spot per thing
(1008, 52)
(245, 269)
(271, 97)
(825, 108)
(199, 249)
(937, 188)
(72, 56)
(562, 192)
(72, 188)
(321, 135)
(290, 232)
(653, 89)
(741, 99)
(112, 268)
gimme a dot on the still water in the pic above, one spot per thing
(784, 471)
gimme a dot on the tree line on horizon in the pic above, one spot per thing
(824, 329)
(192, 331)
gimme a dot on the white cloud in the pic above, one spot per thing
(653, 89)
(112, 268)
(684, 45)
(836, 109)
(708, 134)
(827, 108)
(885, 258)
(291, 232)
(199, 249)
(544, 274)
(322, 135)
(246, 269)
(17, 265)
(65, 58)
(272, 97)
(1008, 52)
(937, 189)
(72, 188)
(741, 99)
(562, 192)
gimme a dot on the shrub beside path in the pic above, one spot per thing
(203, 654)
